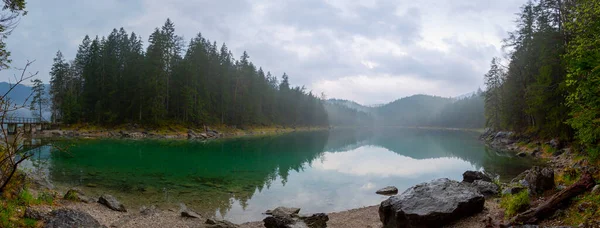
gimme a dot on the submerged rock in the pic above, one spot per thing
(389, 190)
(63, 218)
(112, 203)
(470, 176)
(431, 204)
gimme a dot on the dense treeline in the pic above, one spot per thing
(550, 85)
(114, 80)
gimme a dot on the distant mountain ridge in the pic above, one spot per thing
(465, 111)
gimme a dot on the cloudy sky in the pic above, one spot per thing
(370, 51)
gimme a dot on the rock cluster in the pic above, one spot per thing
(283, 217)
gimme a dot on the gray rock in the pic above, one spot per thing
(596, 189)
(37, 213)
(470, 176)
(112, 203)
(486, 188)
(279, 222)
(389, 190)
(318, 220)
(431, 204)
(283, 211)
(185, 212)
(537, 179)
(66, 218)
(148, 211)
(215, 223)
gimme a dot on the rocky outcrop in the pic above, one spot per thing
(112, 203)
(389, 190)
(318, 220)
(283, 217)
(63, 218)
(471, 176)
(431, 204)
(486, 188)
(187, 213)
(536, 179)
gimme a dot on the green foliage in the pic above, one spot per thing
(39, 100)
(528, 94)
(10, 20)
(514, 204)
(113, 81)
(25, 198)
(583, 65)
(45, 198)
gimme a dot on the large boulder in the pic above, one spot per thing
(537, 179)
(389, 190)
(283, 211)
(65, 218)
(431, 204)
(112, 203)
(471, 176)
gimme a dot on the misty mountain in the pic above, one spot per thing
(20, 95)
(351, 105)
(414, 111)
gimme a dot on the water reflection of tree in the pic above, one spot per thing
(432, 143)
(208, 176)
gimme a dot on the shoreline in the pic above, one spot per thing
(358, 217)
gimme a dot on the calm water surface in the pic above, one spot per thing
(238, 179)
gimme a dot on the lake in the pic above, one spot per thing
(239, 178)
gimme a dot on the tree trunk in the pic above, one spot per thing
(548, 207)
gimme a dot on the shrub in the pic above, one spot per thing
(516, 203)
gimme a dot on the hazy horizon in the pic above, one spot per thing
(371, 52)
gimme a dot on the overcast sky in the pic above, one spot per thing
(370, 51)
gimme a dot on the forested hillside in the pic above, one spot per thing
(550, 84)
(114, 80)
(433, 111)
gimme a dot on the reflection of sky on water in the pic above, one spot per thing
(344, 180)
